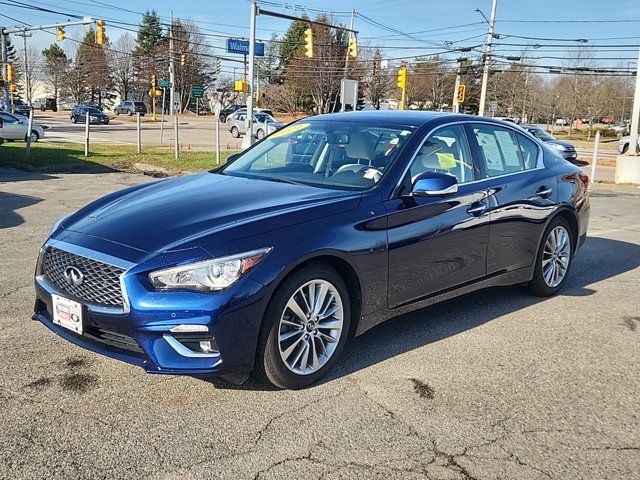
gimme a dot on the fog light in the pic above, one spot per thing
(207, 347)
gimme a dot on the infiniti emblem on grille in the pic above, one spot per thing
(73, 275)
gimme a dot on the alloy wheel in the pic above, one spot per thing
(556, 256)
(310, 327)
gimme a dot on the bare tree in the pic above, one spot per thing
(121, 60)
(377, 80)
(32, 73)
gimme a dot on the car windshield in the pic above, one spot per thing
(541, 134)
(324, 153)
(139, 104)
(263, 117)
(93, 110)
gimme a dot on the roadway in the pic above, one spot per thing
(493, 385)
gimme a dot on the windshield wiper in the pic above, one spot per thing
(281, 180)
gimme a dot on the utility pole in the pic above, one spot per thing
(172, 78)
(24, 36)
(343, 106)
(5, 62)
(635, 116)
(247, 141)
(487, 54)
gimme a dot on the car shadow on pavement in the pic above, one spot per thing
(599, 259)
(16, 175)
(9, 203)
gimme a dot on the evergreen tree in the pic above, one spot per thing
(292, 41)
(56, 64)
(149, 33)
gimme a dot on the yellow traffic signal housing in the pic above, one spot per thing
(353, 47)
(11, 74)
(183, 59)
(402, 78)
(13, 88)
(154, 81)
(240, 86)
(460, 93)
(101, 36)
(60, 33)
(308, 42)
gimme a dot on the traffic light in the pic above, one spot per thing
(60, 33)
(402, 78)
(101, 36)
(183, 59)
(353, 47)
(460, 93)
(376, 67)
(218, 66)
(308, 42)
(240, 86)
(11, 74)
(154, 82)
(13, 88)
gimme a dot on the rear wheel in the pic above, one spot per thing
(74, 120)
(305, 328)
(34, 137)
(129, 112)
(554, 259)
(235, 133)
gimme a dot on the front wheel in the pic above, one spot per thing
(129, 112)
(235, 133)
(260, 134)
(554, 259)
(74, 120)
(305, 328)
(34, 137)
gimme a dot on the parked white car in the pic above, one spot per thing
(13, 128)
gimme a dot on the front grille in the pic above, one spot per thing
(101, 284)
(112, 338)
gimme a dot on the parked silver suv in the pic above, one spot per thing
(263, 124)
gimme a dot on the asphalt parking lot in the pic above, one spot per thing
(493, 385)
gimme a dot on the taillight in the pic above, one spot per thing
(584, 178)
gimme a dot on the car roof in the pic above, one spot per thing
(406, 118)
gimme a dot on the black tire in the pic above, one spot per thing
(235, 133)
(223, 119)
(116, 111)
(74, 120)
(537, 286)
(43, 109)
(260, 134)
(625, 148)
(269, 363)
(129, 112)
(36, 135)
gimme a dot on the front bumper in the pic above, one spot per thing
(141, 333)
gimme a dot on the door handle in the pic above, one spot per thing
(477, 209)
(544, 191)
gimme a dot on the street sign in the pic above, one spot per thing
(242, 47)
(493, 107)
(164, 84)
(197, 91)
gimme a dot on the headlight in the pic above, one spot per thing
(557, 146)
(209, 275)
(57, 223)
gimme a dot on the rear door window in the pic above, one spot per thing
(499, 149)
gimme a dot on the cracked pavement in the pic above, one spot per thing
(494, 385)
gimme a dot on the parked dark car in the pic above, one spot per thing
(224, 114)
(129, 107)
(567, 150)
(96, 117)
(325, 228)
(45, 104)
(21, 108)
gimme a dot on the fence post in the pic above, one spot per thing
(594, 162)
(86, 135)
(175, 132)
(138, 131)
(27, 153)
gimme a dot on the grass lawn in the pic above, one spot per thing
(69, 157)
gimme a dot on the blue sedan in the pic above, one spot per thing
(318, 232)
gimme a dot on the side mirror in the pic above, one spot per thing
(433, 184)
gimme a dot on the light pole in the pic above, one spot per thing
(487, 53)
(247, 141)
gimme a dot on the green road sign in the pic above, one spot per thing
(197, 91)
(164, 84)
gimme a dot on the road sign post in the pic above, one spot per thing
(139, 149)
(86, 135)
(164, 95)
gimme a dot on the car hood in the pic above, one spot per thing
(203, 209)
